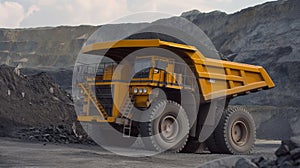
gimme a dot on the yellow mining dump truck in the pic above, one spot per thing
(166, 106)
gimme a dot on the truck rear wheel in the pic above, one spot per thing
(235, 133)
(167, 127)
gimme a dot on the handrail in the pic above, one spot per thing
(94, 100)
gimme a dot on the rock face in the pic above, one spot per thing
(267, 35)
(42, 47)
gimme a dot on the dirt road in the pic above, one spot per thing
(16, 153)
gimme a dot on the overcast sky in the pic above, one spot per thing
(36, 13)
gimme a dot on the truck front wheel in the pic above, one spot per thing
(166, 127)
(235, 134)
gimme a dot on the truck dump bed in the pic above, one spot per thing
(217, 78)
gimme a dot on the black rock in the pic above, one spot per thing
(282, 150)
(54, 134)
(297, 162)
(245, 163)
(295, 153)
(290, 144)
(46, 135)
(283, 160)
(267, 163)
(296, 141)
(258, 161)
(287, 164)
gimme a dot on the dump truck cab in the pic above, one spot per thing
(159, 73)
(145, 79)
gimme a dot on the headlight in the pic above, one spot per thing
(140, 90)
(145, 90)
(135, 90)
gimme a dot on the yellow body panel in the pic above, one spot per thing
(231, 77)
(216, 78)
(95, 118)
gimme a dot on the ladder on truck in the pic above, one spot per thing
(126, 112)
(94, 100)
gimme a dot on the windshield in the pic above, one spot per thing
(142, 67)
(142, 74)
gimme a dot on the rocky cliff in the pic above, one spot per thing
(267, 35)
(42, 47)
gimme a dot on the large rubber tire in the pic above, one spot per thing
(167, 128)
(235, 133)
(109, 136)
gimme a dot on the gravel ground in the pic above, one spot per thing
(18, 153)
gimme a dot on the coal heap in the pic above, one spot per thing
(32, 101)
(54, 134)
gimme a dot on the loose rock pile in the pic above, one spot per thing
(34, 107)
(32, 101)
(288, 156)
(53, 134)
